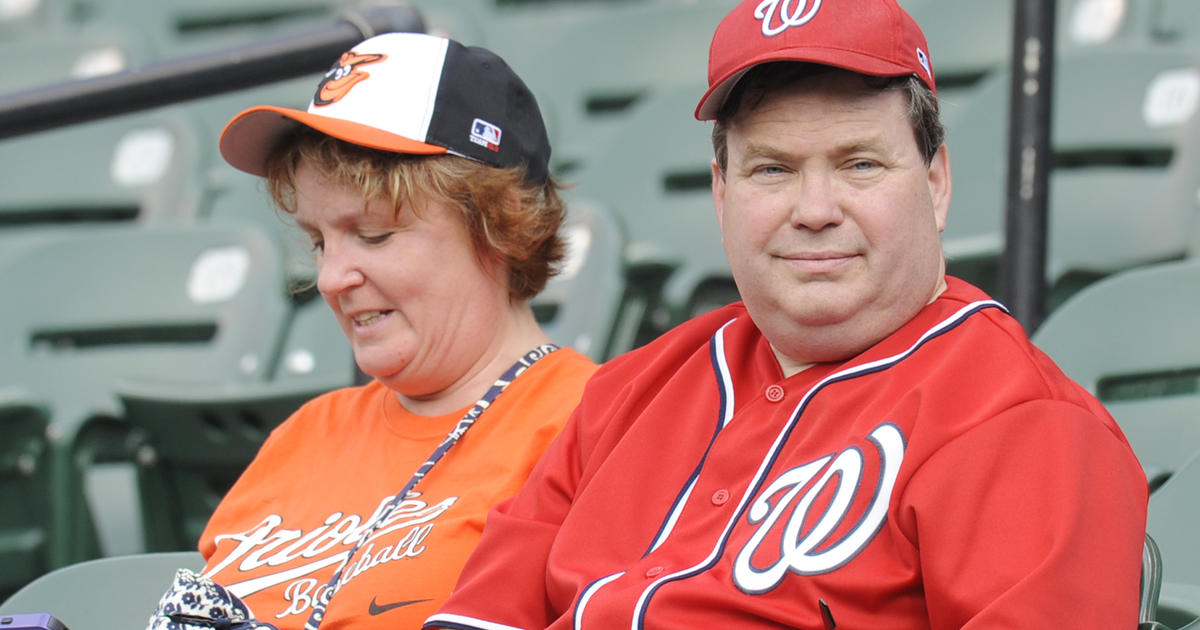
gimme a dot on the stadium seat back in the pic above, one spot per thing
(24, 490)
(1173, 519)
(655, 175)
(116, 593)
(592, 73)
(1124, 174)
(581, 306)
(87, 313)
(1132, 340)
(66, 53)
(193, 442)
(137, 168)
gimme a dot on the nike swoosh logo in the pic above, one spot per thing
(376, 609)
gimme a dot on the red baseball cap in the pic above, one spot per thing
(874, 37)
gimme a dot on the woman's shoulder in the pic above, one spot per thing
(569, 363)
(557, 380)
(330, 406)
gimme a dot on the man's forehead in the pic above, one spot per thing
(848, 88)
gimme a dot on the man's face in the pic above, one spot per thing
(830, 216)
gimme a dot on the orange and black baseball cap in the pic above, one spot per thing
(408, 93)
(873, 37)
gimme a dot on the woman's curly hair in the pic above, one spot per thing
(508, 218)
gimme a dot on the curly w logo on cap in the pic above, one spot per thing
(776, 21)
(343, 76)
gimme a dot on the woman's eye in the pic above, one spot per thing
(375, 239)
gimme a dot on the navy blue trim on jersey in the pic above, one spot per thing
(716, 353)
(769, 462)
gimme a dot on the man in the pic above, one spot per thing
(865, 442)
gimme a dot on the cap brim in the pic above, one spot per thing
(250, 136)
(710, 104)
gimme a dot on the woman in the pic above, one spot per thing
(420, 174)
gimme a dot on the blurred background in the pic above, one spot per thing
(157, 317)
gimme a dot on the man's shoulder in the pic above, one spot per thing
(669, 354)
(680, 342)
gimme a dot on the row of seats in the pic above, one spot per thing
(153, 306)
(617, 83)
(168, 352)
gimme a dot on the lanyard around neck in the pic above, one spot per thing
(467, 421)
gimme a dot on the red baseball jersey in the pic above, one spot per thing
(948, 477)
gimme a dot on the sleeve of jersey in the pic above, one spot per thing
(503, 584)
(1034, 519)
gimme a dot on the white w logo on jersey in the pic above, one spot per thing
(778, 15)
(796, 547)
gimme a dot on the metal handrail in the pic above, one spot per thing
(178, 80)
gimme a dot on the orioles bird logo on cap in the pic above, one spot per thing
(342, 76)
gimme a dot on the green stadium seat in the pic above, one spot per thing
(581, 307)
(238, 199)
(54, 55)
(204, 305)
(1174, 517)
(655, 176)
(37, 17)
(462, 20)
(1132, 340)
(118, 593)
(1125, 167)
(24, 489)
(1178, 21)
(185, 27)
(137, 168)
(1099, 23)
(968, 40)
(193, 442)
(594, 66)
(1137, 146)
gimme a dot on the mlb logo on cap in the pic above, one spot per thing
(485, 134)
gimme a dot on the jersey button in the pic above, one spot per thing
(720, 497)
(654, 571)
(774, 393)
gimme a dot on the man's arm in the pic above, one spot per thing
(1034, 519)
(503, 584)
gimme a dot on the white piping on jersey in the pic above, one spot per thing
(773, 453)
(726, 383)
(462, 621)
(587, 595)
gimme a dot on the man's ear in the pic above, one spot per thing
(940, 186)
(718, 193)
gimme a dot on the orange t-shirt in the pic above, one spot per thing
(323, 476)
